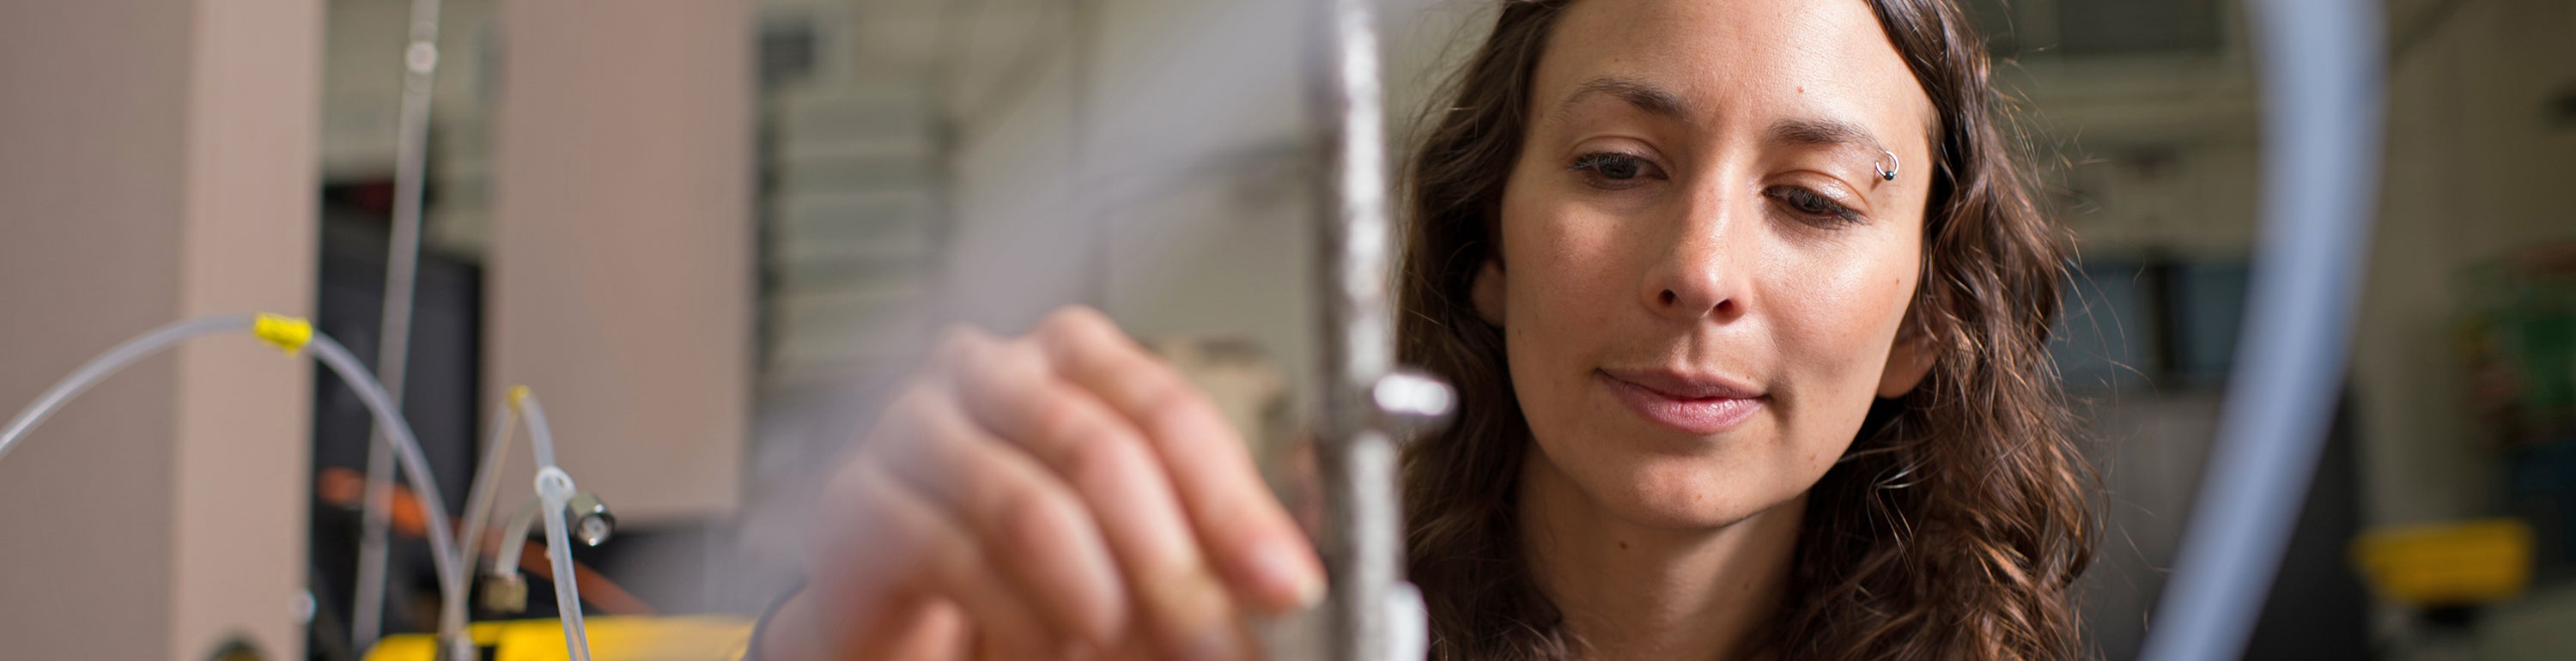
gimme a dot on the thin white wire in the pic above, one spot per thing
(406, 448)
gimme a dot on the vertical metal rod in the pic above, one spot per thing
(1362, 537)
(393, 348)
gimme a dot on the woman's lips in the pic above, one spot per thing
(1694, 406)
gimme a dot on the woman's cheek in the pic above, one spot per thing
(1562, 289)
(1566, 267)
(1837, 323)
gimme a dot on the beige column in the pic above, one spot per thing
(158, 164)
(620, 283)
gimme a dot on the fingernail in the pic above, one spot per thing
(1283, 566)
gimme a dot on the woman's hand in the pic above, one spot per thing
(1061, 494)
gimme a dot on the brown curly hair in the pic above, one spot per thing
(1955, 525)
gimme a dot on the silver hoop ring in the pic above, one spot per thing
(1888, 171)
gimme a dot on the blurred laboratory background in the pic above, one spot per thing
(710, 233)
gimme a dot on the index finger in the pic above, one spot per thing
(1246, 529)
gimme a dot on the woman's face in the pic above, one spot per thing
(1702, 273)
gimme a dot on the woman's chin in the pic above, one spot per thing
(1674, 495)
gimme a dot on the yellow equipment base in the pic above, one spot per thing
(611, 639)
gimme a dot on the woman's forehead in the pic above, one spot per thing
(1734, 64)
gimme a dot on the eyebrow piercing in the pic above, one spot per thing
(1887, 171)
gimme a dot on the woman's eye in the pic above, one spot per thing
(1811, 204)
(1614, 170)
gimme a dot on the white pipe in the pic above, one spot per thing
(2321, 65)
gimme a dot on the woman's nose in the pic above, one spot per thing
(1698, 273)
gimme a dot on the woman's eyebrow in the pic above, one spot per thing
(1814, 132)
(1645, 96)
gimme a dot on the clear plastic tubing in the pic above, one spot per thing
(541, 436)
(508, 556)
(402, 268)
(478, 506)
(407, 454)
(415, 466)
(487, 483)
(117, 358)
(554, 489)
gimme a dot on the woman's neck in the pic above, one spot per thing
(1637, 592)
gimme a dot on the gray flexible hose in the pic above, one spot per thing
(2322, 71)
(415, 467)
(397, 432)
(116, 358)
